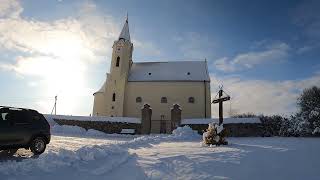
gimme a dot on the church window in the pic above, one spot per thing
(112, 107)
(149, 73)
(191, 99)
(138, 100)
(114, 97)
(118, 61)
(188, 73)
(164, 100)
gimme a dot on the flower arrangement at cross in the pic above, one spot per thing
(215, 135)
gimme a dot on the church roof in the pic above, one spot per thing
(169, 71)
(125, 34)
(103, 87)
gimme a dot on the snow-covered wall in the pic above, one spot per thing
(225, 121)
(236, 127)
(108, 125)
(95, 118)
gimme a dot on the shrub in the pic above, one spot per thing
(308, 117)
(272, 124)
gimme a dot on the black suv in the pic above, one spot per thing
(23, 128)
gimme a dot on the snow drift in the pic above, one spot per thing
(82, 160)
(88, 161)
(75, 130)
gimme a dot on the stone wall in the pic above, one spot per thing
(104, 126)
(235, 129)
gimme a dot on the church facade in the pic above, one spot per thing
(163, 87)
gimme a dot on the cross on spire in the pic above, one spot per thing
(127, 19)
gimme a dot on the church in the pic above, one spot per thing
(170, 91)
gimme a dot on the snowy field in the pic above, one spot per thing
(76, 154)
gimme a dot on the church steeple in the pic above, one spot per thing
(125, 34)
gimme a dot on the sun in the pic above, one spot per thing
(62, 68)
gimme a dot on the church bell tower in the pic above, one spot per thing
(113, 91)
(122, 53)
(119, 70)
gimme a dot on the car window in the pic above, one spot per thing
(19, 117)
(3, 116)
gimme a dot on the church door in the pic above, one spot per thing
(163, 127)
(146, 113)
(175, 116)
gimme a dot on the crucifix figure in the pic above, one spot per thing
(220, 101)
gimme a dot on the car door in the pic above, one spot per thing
(21, 129)
(6, 136)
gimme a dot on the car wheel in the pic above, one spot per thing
(9, 152)
(38, 145)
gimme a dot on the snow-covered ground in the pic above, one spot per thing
(76, 154)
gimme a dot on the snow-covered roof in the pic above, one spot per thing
(125, 34)
(225, 121)
(169, 71)
(102, 89)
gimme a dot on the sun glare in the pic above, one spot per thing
(62, 68)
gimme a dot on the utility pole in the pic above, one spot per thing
(55, 105)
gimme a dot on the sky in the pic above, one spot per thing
(263, 52)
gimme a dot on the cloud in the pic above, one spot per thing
(261, 96)
(10, 9)
(223, 64)
(146, 48)
(56, 54)
(307, 16)
(85, 37)
(276, 52)
(195, 46)
(304, 49)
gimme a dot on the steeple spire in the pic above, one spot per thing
(125, 34)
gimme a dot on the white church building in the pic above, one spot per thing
(131, 86)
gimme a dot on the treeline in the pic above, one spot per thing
(306, 122)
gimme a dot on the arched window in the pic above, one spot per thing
(114, 97)
(138, 100)
(191, 100)
(118, 61)
(164, 100)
